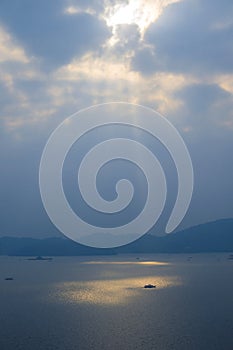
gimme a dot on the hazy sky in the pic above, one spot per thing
(57, 57)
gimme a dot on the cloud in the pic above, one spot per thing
(191, 37)
(48, 33)
(180, 65)
(200, 98)
(9, 51)
(126, 38)
(204, 113)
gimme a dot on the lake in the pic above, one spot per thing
(99, 303)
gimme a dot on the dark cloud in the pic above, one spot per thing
(190, 36)
(206, 110)
(199, 98)
(46, 32)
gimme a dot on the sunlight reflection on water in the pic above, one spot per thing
(114, 292)
(159, 263)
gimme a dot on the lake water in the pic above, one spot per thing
(99, 303)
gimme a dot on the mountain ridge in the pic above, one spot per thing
(215, 236)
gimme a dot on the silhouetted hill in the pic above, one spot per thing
(215, 236)
(49, 246)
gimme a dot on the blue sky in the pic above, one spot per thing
(57, 57)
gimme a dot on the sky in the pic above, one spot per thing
(57, 57)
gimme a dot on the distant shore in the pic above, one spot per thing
(215, 236)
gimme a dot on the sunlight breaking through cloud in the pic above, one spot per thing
(140, 12)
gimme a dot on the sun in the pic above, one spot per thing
(139, 12)
(124, 14)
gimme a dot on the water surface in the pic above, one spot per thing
(100, 303)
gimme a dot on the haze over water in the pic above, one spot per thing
(100, 303)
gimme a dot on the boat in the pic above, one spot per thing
(9, 279)
(149, 286)
(40, 258)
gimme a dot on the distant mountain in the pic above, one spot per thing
(50, 246)
(215, 236)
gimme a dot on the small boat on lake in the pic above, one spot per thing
(149, 286)
(40, 258)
